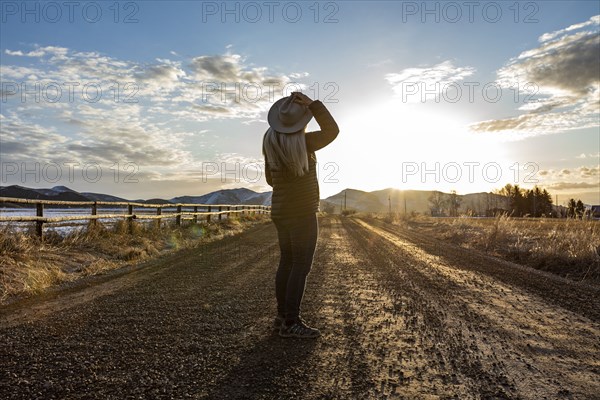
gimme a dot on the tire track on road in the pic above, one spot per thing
(440, 357)
(579, 298)
(543, 349)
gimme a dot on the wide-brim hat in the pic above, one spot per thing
(288, 116)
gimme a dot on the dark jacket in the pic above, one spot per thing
(295, 196)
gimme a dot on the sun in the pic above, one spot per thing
(384, 143)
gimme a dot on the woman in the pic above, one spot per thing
(290, 167)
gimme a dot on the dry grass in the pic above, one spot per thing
(396, 218)
(567, 247)
(29, 266)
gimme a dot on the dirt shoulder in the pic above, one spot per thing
(30, 267)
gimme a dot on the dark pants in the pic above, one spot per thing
(297, 242)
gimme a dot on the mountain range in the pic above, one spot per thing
(376, 201)
(63, 193)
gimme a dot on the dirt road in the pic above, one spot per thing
(402, 316)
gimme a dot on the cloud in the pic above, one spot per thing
(573, 185)
(590, 155)
(39, 52)
(582, 172)
(224, 68)
(164, 75)
(212, 83)
(161, 130)
(228, 81)
(595, 20)
(435, 77)
(583, 177)
(587, 172)
(562, 73)
(443, 72)
(24, 142)
(380, 63)
(101, 137)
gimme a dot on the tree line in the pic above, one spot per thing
(534, 202)
(514, 200)
(537, 202)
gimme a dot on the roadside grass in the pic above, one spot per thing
(566, 247)
(30, 266)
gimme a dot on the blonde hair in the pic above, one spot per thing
(286, 150)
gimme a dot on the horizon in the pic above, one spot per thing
(564, 198)
(182, 114)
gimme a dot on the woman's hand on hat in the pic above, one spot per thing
(301, 98)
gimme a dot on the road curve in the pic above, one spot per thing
(403, 316)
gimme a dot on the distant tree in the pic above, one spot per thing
(579, 209)
(453, 204)
(571, 208)
(546, 203)
(505, 191)
(538, 202)
(535, 202)
(517, 201)
(529, 199)
(436, 203)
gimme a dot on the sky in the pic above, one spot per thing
(144, 99)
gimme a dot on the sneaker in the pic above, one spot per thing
(278, 322)
(299, 329)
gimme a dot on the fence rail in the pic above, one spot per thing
(130, 216)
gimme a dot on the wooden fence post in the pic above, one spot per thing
(130, 218)
(158, 212)
(94, 212)
(195, 215)
(219, 213)
(39, 225)
(208, 216)
(178, 218)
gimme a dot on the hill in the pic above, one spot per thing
(63, 193)
(409, 201)
(228, 196)
(57, 193)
